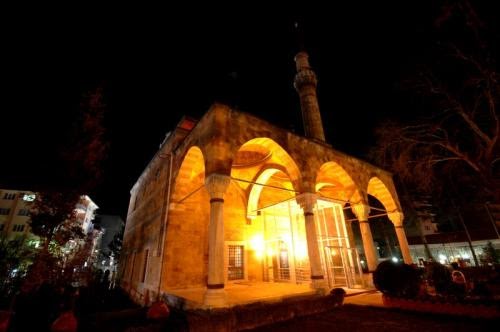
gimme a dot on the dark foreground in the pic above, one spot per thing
(358, 318)
(114, 313)
(346, 318)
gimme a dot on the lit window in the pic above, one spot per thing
(29, 197)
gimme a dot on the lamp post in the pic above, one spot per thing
(469, 240)
(491, 219)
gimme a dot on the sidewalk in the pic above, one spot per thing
(371, 298)
(433, 307)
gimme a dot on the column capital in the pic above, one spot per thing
(396, 217)
(361, 211)
(216, 185)
(307, 201)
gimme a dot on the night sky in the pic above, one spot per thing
(156, 65)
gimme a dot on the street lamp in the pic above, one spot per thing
(487, 206)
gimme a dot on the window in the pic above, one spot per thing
(29, 197)
(9, 196)
(18, 228)
(145, 266)
(4, 211)
(23, 212)
(235, 267)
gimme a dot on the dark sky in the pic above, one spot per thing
(158, 64)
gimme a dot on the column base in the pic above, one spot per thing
(215, 297)
(368, 280)
(320, 285)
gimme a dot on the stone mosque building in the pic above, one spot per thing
(233, 201)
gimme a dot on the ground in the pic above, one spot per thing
(361, 318)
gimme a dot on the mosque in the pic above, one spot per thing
(232, 207)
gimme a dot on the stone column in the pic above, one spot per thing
(215, 295)
(307, 201)
(397, 221)
(362, 211)
(350, 234)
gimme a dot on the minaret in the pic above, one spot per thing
(305, 83)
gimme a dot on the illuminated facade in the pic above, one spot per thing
(232, 198)
(15, 206)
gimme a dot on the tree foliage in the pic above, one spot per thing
(115, 246)
(87, 145)
(490, 254)
(15, 258)
(53, 214)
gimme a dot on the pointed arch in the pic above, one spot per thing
(262, 161)
(188, 217)
(379, 190)
(333, 181)
(260, 151)
(191, 174)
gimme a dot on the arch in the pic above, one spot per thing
(256, 190)
(260, 151)
(379, 190)
(333, 181)
(188, 218)
(191, 173)
(261, 160)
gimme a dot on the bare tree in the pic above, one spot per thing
(460, 140)
(458, 137)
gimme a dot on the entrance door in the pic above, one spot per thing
(283, 265)
(335, 266)
(278, 262)
(342, 267)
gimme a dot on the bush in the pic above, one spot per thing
(397, 279)
(439, 276)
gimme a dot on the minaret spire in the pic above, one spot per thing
(305, 83)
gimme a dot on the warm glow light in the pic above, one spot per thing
(287, 238)
(257, 244)
(300, 251)
(270, 252)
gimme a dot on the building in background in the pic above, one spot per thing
(15, 206)
(85, 212)
(468, 232)
(111, 228)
